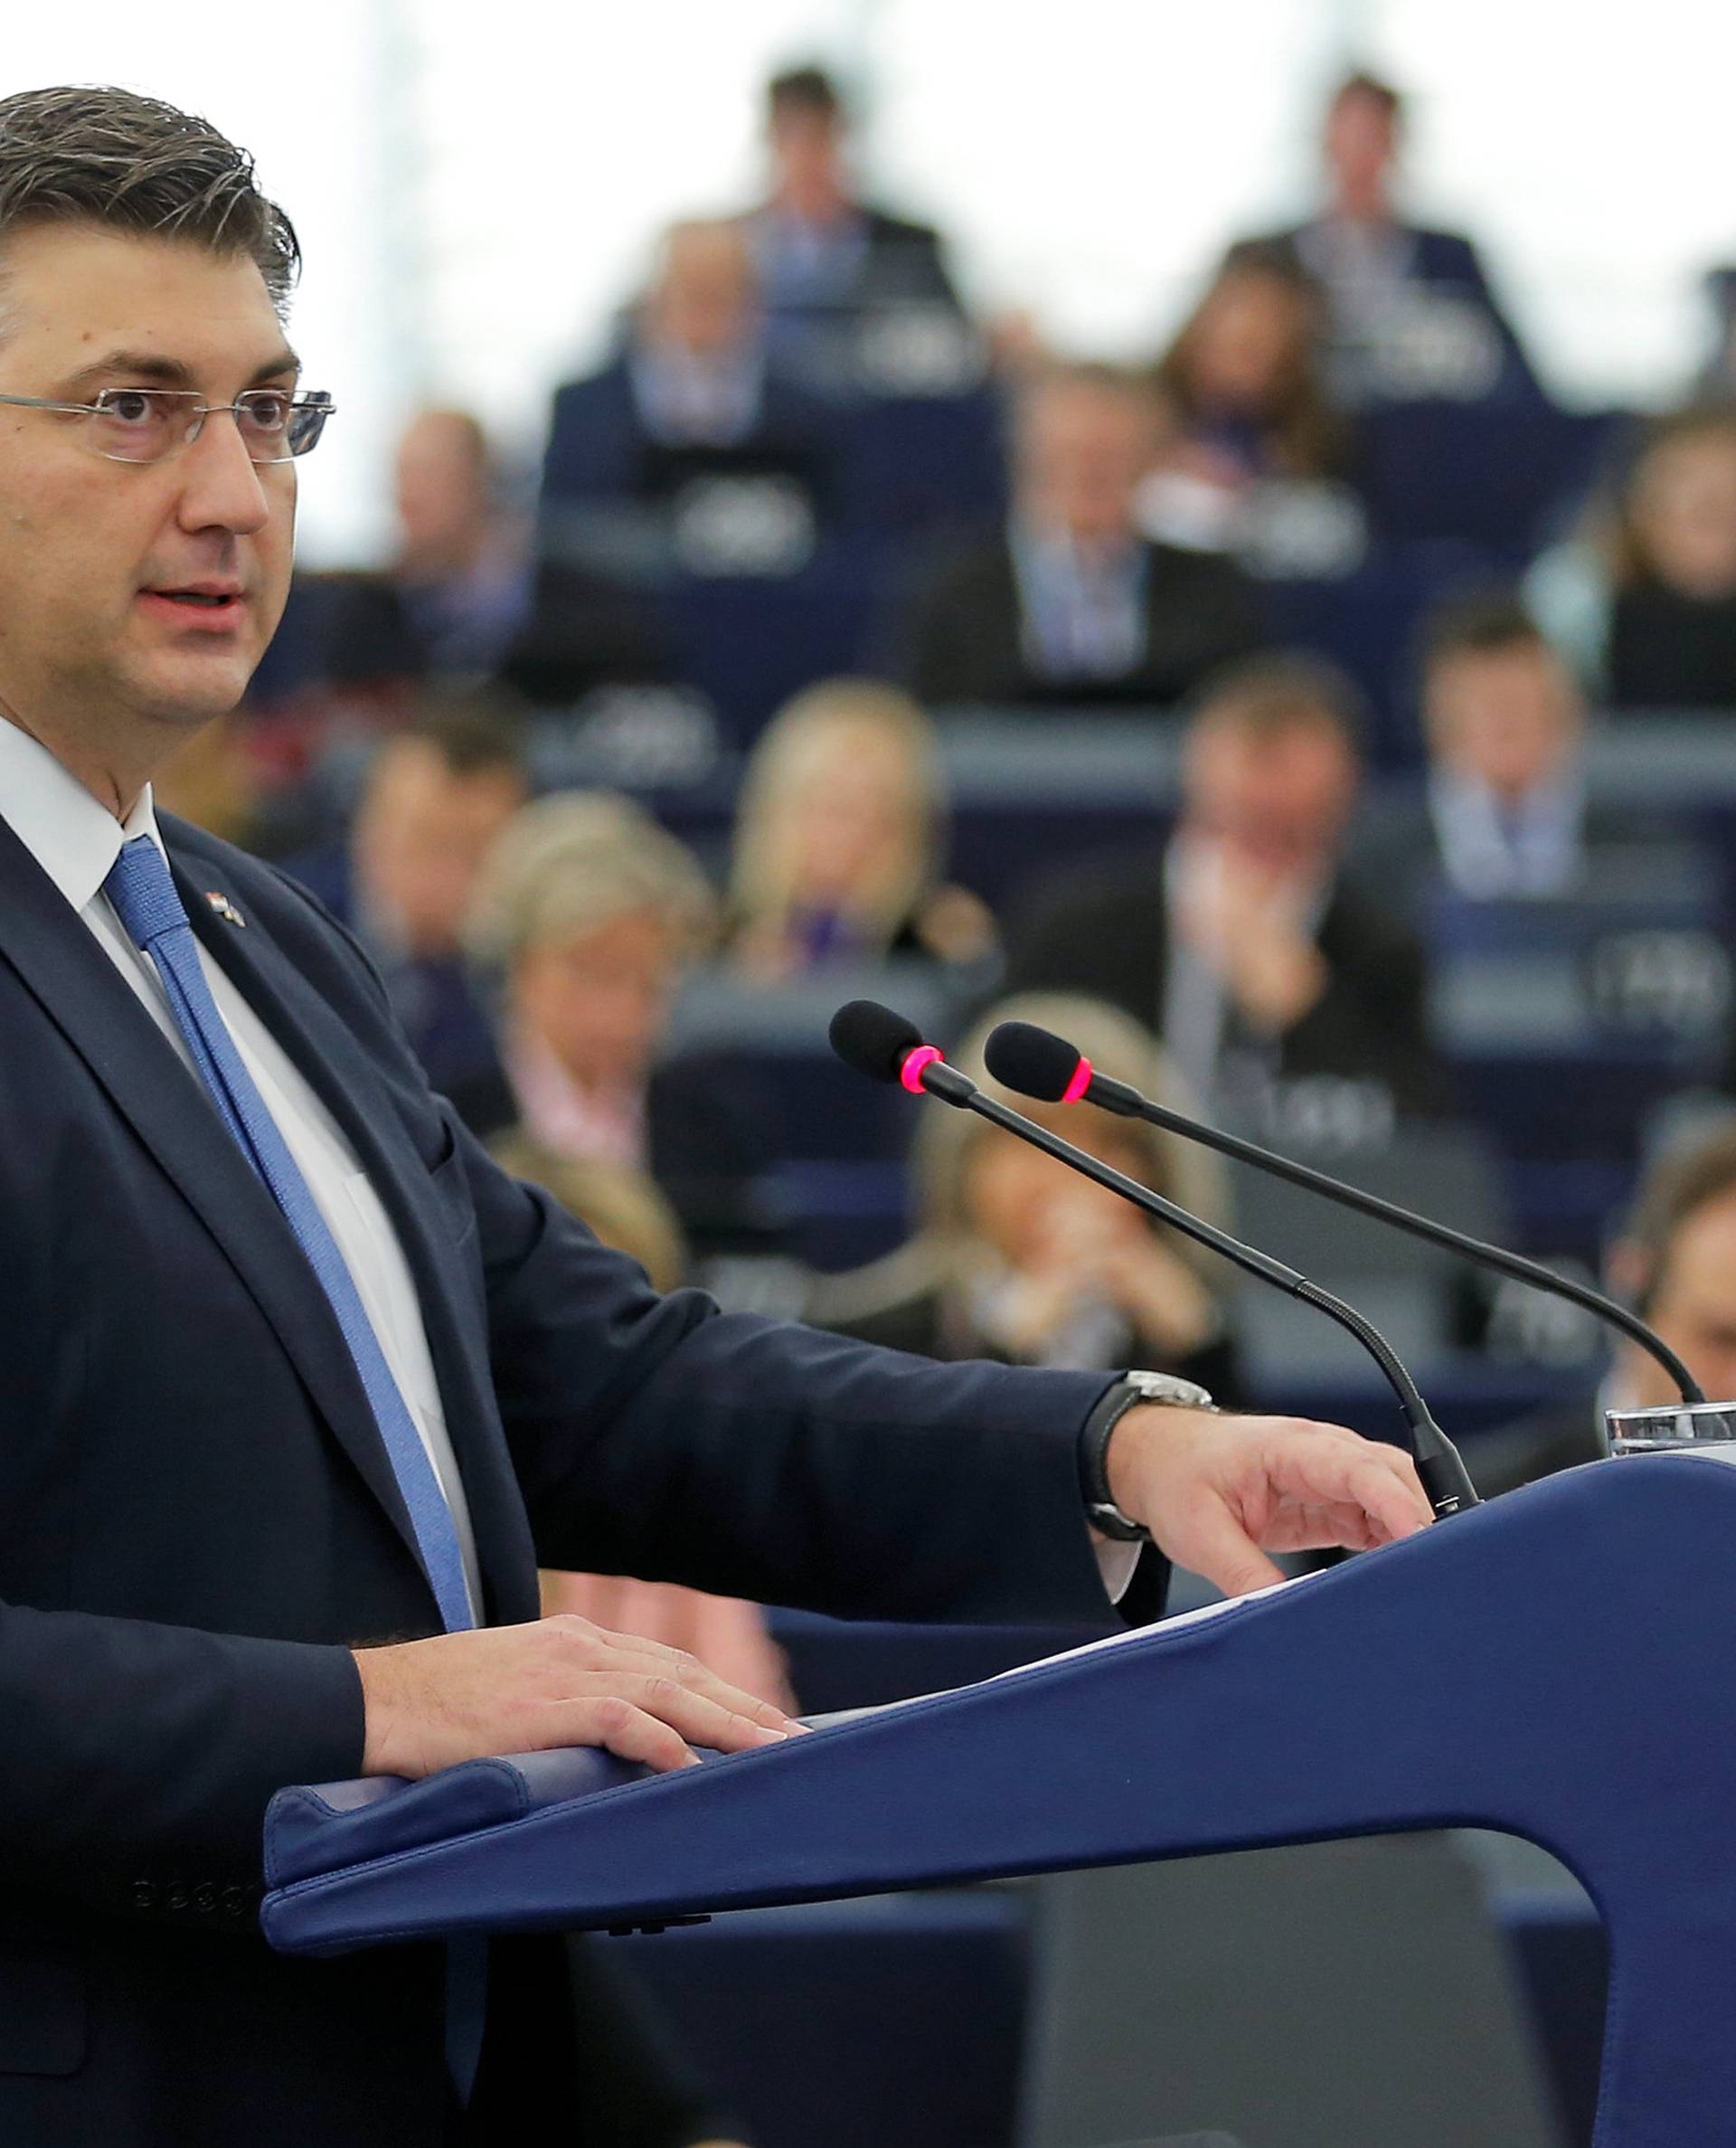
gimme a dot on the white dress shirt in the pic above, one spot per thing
(75, 841)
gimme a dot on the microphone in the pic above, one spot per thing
(886, 1047)
(1037, 1062)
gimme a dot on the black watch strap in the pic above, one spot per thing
(1104, 1516)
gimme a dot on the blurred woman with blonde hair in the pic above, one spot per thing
(840, 835)
(590, 914)
(1020, 1259)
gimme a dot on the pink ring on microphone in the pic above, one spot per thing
(910, 1072)
(1079, 1084)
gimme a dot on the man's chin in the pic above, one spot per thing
(193, 690)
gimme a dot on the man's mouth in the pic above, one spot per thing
(207, 599)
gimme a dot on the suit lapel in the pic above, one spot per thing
(345, 1079)
(69, 973)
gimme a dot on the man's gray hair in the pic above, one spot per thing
(126, 162)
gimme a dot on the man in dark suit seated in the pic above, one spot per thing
(1242, 942)
(693, 402)
(462, 601)
(297, 1386)
(1070, 604)
(1674, 1261)
(436, 796)
(1504, 815)
(1412, 313)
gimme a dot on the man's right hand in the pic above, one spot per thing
(562, 1682)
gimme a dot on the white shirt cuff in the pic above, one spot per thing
(1116, 1563)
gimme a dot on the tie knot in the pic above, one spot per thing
(143, 893)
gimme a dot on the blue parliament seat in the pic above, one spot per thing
(1489, 474)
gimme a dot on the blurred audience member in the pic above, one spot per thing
(693, 381)
(1242, 940)
(1673, 619)
(840, 835)
(462, 602)
(436, 798)
(1240, 378)
(1505, 813)
(1071, 604)
(820, 247)
(1411, 312)
(1675, 1263)
(589, 914)
(1645, 600)
(1254, 458)
(624, 1209)
(1020, 1259)
(692, 448)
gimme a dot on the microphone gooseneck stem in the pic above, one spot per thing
(1448, 1487)
(1119, 1097)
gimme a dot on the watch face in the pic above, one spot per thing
(1164, 1386)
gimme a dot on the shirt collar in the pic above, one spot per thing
(71, 835)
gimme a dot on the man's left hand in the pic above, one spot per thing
(1219, 1492)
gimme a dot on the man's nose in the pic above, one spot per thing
(222, 486)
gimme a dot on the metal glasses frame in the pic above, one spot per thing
(314, 401)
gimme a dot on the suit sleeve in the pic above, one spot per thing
(1372, 1017)
(659, 1436)
(140, 1758)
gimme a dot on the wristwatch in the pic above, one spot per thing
(1131, 1389)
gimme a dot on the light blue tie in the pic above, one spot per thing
(144, 897)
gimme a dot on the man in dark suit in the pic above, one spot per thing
(297, 1386)
(1070, 604)
(694, 400)
(1241, 942)
(1503, 814)
(463, 601)
(1411, 311)
(822, 250)
(436, 797)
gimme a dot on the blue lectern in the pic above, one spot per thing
(1560, 1664)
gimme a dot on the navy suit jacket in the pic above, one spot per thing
(600, 451)
(197, 1522)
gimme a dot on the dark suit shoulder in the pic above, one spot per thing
(1099, 930)
(886, 228)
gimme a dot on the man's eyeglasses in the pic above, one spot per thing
(150, 424)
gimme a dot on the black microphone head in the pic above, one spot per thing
(1033, 1061)
(873, 1039)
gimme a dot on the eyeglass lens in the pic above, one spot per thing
(145, 424)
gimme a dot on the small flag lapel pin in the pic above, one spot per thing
(225, 909)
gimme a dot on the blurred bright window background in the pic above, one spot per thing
(476, 189)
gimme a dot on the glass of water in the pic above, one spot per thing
(1677, 1428)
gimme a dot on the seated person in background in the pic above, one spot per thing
(587, 914)
(1646, 602)
(436, 796)
(1253, 444)
(1242, 940)
(692, 395)
(1410, 314)
(1506, 814)
(1675, 1264)
(840, 831)
(624, 1209)
(462, 602)
(820, 248)
(1070, 604)
(1020, 1259)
